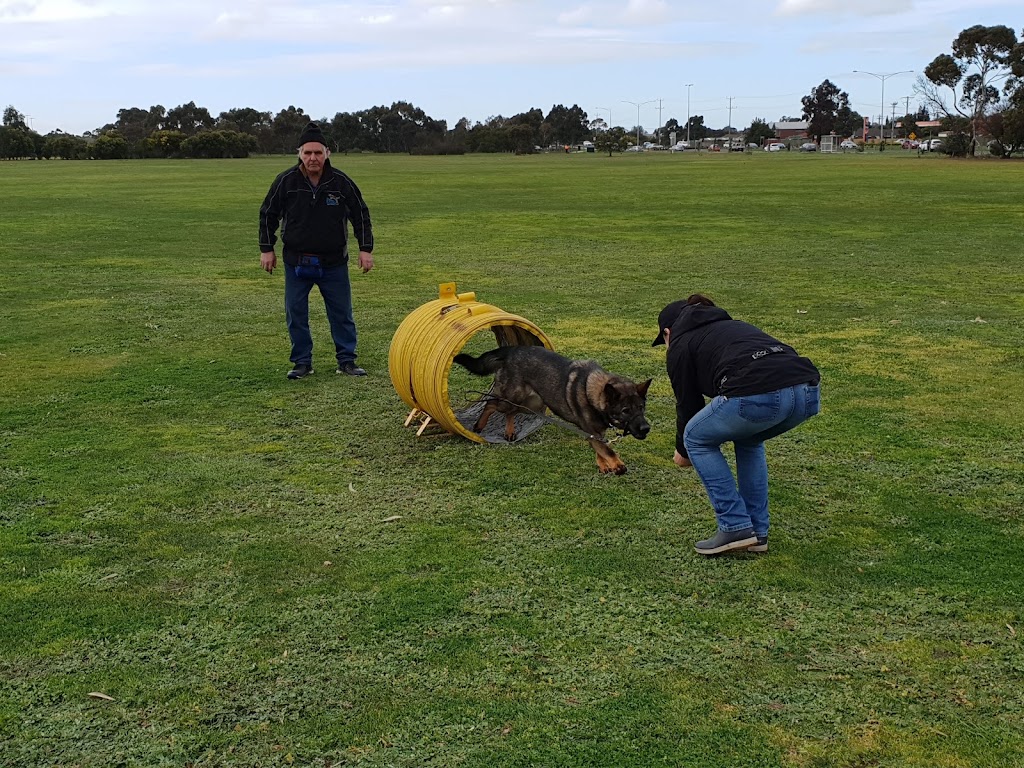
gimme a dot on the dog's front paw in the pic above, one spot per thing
(611, 466)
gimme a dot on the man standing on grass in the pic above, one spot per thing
(316, 202)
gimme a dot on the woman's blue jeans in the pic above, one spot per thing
(337, 293)
(747, 421)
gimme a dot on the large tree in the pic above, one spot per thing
(64, 145)
(1007, 130)
(15, 142)
(189, 119)
(13, 118)
(569, 125)
(401, 127)
(758, 131)
(244, 120)
(135, 124)
(346, 131)
(822, 109)
(848, 121)
(612, 140)
(286, 128)
(967, 83)
(695, 130)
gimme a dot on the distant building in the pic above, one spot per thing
(925, 127)
(794, 129)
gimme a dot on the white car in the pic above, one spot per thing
(848, 144)
(775, 146)
(930, 145)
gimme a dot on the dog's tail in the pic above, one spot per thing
(486, 364)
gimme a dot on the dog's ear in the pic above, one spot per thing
(611, 392)
(642, 388)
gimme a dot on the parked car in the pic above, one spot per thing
(809, 146)
(848, 144)
(775, 146)
(679, 146)
(931, 145)
(911, 144)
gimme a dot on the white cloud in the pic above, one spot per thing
(581, 33)
(447, 11)
(50, 11)
(843, 7)
(645, 12)
(580, 15)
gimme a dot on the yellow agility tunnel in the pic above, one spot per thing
(424, 347)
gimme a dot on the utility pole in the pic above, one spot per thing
(730, 122)
(883, 78)
(907, 99)
(688, 87)
(638, 105)
(609, 111)
(660, 124)
(892, 127)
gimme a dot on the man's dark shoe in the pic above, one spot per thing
(726, 541)
(350, 369)
(761, 546)
(300, 371)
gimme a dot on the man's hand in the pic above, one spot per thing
(681, 461)
(365, 261)
(268, 260)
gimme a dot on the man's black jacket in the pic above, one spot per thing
(315, 219)
(711, 354)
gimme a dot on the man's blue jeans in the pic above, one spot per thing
(746, 421)
(337, 293)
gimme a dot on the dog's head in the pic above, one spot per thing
(626, 401)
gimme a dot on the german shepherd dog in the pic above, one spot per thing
(529, 378)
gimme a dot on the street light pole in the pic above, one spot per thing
(883, 78)
(642, 103)
(688, 87)
(609, 111)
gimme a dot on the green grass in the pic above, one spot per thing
(202, 540)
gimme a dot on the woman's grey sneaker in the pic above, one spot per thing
(300, 371)
(350, 369)
(726, 541)
(761, 546)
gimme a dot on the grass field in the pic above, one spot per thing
(203, 541)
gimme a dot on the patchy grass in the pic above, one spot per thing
(203, 541)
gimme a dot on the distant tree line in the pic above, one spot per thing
(192, 131)
(976, 90)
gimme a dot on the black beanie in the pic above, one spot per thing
(312, 133)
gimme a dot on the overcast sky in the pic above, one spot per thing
(71, 64)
